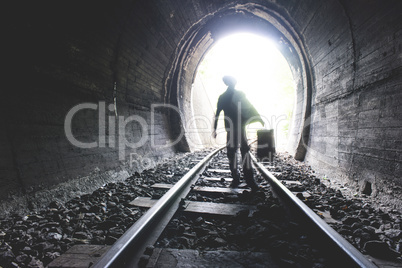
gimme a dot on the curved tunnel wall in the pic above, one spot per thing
(356, 57)
(130, 55)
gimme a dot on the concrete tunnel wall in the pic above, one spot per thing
(346, 59)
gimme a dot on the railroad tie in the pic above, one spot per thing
(200, 207)
(204, 189)
(169, 257)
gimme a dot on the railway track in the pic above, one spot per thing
(196, 214)
(146, 243)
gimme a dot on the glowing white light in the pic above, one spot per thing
(260, 69)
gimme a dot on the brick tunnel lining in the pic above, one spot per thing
(78, 54)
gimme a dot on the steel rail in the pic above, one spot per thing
(128, 249)
(354, 255)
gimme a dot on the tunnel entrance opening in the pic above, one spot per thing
(191, 125)
(263, 74)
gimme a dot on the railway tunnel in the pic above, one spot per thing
(100, 90)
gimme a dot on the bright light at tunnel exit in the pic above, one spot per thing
(263, 74)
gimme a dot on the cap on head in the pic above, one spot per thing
(229, 80)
